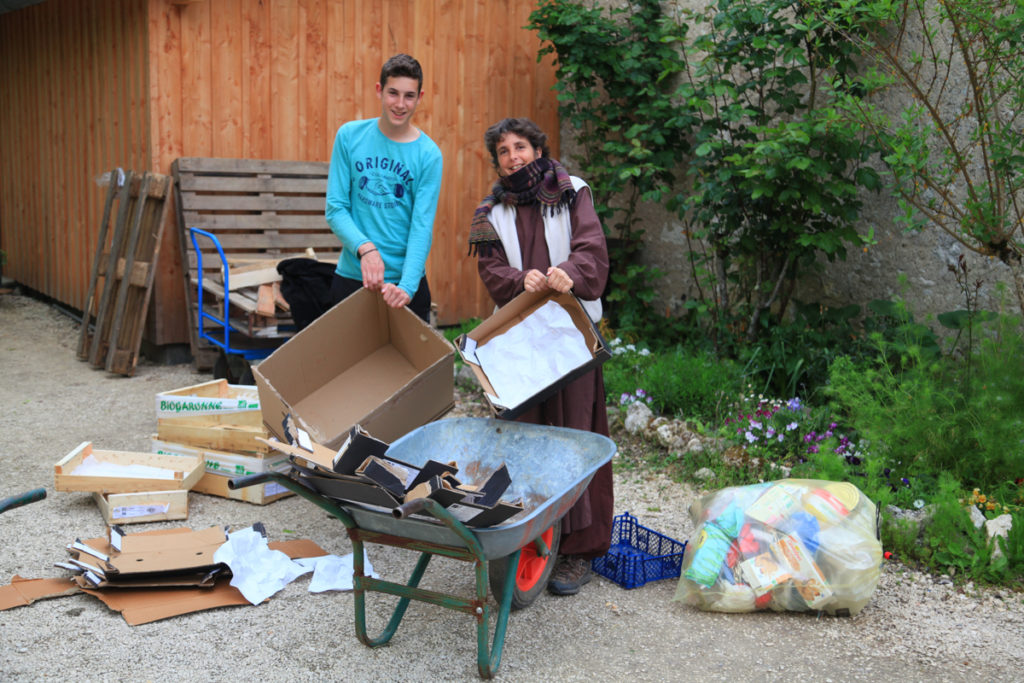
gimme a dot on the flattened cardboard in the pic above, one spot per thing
(20, 591)
(145, 605)
(186, 471)
(359, 446)
(431, 469)
(393, 373)
(146, 554)
(388, 474)
(515, 312)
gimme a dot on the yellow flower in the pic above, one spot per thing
(982, 499)
(990, 506)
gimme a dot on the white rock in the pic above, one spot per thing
(638, 415)
(695, 446)
(704, 474)
(977, 517)
(1000, 526)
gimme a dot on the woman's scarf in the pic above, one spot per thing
(543, 180)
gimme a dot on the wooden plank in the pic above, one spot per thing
(226, 166)
(126, 202)
(144, 256)
(251, 183)
(112, 192)
(314, 223)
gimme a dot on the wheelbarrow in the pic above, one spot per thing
(12, 502)
(550, 468)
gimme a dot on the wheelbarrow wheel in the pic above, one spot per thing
(532, 571)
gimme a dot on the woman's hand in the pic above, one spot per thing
(558, 280)
(535, 281)
(372, 266)
(395, 296)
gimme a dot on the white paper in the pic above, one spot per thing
(91, 466)
(256, 570)
(533, 354)
(333, 573)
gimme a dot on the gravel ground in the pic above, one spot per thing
(916, 627)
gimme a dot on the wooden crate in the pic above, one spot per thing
(148, 506)
(262, 211)
(213, 402)
(186, 471)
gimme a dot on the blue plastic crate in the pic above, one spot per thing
(639, 555)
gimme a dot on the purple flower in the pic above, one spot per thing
(755, 425)
(793, 404)
(751, 438)
(791, 426)
(813, 448)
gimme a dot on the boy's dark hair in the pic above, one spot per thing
(402, 65)
(522, 127)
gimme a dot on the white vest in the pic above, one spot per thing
(557, 234)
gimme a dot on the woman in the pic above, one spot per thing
(538, 230)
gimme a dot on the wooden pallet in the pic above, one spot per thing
(261, 212)
(123, 269)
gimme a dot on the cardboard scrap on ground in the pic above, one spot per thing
(20, 591)
(167, 591)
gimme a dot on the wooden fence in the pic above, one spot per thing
(88, 86)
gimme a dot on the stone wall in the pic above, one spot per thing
(912, 266)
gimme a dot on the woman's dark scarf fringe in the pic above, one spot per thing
(543, 180)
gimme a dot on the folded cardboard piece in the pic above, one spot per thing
(513, 313)
(179, 562)
(385, 482)
(362, 362)
(175, 557)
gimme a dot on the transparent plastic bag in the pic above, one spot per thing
(788, 545)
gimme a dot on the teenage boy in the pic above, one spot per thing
(382, 190)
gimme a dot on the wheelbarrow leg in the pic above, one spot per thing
(489, 659)
(359, 594)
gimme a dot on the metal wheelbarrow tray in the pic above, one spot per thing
(550, 468)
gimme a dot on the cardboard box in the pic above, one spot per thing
(515, 312)
(182, 472)
(148, 506)
(362, 362)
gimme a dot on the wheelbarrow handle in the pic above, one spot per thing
(22, 499)
(249, 480)
(414, 506)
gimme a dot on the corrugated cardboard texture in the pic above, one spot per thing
(361, 362)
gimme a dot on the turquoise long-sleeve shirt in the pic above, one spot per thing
(384, 192)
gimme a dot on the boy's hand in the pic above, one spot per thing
(372, 267)
(395, 296)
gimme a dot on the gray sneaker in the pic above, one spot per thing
(569, 574)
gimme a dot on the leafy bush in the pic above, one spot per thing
(690, 384)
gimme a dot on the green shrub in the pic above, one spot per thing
(679, 382)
